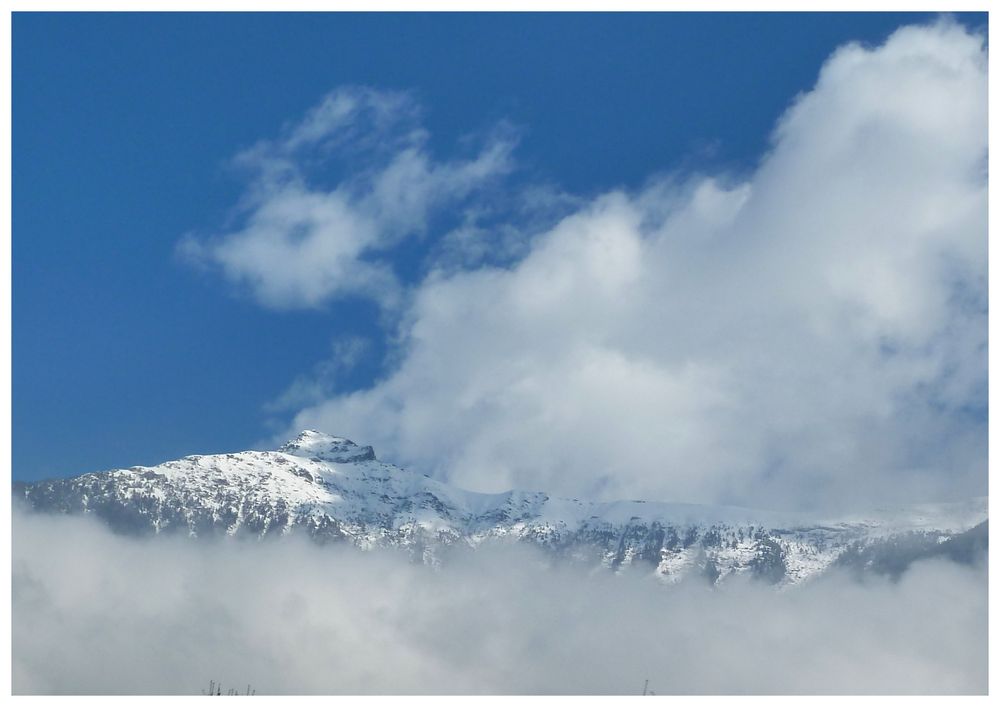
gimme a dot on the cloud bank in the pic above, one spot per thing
(96, 613)
(813, 334)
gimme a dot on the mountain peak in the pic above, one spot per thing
(319, 445)
(333, 489)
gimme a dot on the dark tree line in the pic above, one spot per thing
(216, 690)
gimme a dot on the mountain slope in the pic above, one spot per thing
(334, 490)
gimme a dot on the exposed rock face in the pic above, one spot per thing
(335, 490)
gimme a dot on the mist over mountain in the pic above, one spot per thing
(317, 568)
(676, 329)
(98, 612)
(334, 491)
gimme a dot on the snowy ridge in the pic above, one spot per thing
(335, 490)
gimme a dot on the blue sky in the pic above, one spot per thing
(124, 132)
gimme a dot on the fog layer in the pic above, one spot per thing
(98, 613)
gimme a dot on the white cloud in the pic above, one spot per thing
(95, 613)
(813, 335)
(300, 243)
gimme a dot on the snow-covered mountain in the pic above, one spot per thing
(334, 490)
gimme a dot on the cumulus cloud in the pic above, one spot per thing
(810, 335)
(96, 613)
(309, 232)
